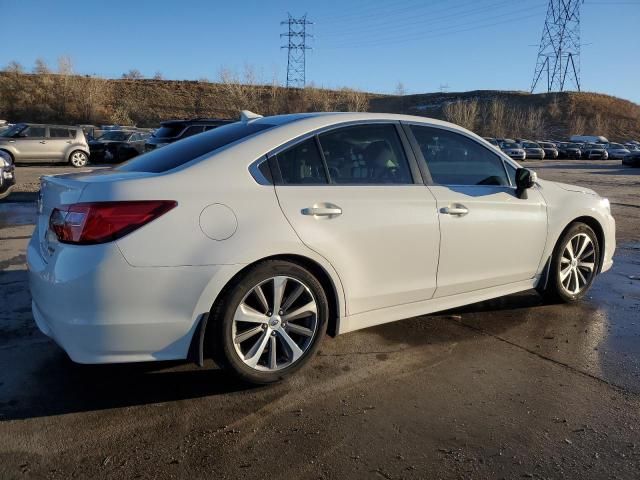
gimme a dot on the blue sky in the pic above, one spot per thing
(370, 45)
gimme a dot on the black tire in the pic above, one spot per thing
(222, 316)
(555, 291)
(13, 160)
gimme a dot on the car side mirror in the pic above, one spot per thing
(525, 179)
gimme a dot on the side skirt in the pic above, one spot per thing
(399, 312)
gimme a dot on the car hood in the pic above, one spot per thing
(570, 188)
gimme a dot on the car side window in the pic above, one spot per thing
(34, 132)
(302, 164)
(193, 130)
(59, 132)
(453, 159)
(369, 154)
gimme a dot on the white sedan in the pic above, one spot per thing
(251, 241)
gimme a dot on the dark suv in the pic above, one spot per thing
(174, 130)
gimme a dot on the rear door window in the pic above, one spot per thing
(55, 132)
(178, 153)
(369, 154)
(302, 164)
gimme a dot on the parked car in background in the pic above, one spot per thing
(569, 150)
(247, 241)
(492, 141)
(632, 160)
(550, 150)
(7, 174)
(514, 150)
(115, 146)
(174, 130)
(4, 125)
(594, 150)
(533, 150)
(38, 143)
(617, 151)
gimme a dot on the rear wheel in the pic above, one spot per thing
(574, 264)
(78, 158)
(271, 322)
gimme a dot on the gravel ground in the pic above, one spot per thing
(509, 388)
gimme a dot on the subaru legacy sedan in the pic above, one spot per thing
(250, 242)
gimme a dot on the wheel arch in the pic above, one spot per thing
(13, 158)
(200, 344)
(596, 226)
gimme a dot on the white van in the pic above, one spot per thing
(588, 139)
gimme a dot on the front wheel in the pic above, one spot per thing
(271, 322)
(574, 264)
(78, 159)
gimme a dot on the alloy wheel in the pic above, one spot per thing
(78, 159)
(577, 264)
(275, 324)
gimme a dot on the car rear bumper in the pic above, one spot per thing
(100, 309)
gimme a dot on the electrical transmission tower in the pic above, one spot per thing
(297, 48)
(559, 50)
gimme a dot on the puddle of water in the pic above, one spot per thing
(12, 214)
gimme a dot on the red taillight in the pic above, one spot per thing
(100, 222)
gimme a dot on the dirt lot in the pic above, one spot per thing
(510, 388)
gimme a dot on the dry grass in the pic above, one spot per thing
(67, 98)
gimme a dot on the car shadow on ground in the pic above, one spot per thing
(45, 382)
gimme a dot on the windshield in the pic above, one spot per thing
(12, 131)
(615, 145)
(181, 152)
(573, 145)
(169, 131)
(116, 136)
(511, 145)
(531, 145)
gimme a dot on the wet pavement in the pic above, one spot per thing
(509, 388)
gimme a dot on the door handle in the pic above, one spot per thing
(326, 210)
(42, 141)
(455, 209)
(69, 141)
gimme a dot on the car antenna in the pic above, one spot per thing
(246, 116)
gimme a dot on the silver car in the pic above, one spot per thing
(36, 143)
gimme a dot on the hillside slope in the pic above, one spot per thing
(79, 99)
(521, 114)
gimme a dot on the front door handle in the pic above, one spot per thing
(42, 141)
(323, 210)
(456, 209)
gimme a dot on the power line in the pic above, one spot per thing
(559, 50)
(296, 49)
(435, 33)
(389, 27)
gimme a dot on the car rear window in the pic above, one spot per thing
(169, 131)
(183, 151)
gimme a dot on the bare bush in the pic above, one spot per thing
(133, 74)
(463, 113)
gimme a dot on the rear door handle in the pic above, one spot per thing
(325, 210)
(456, 209)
